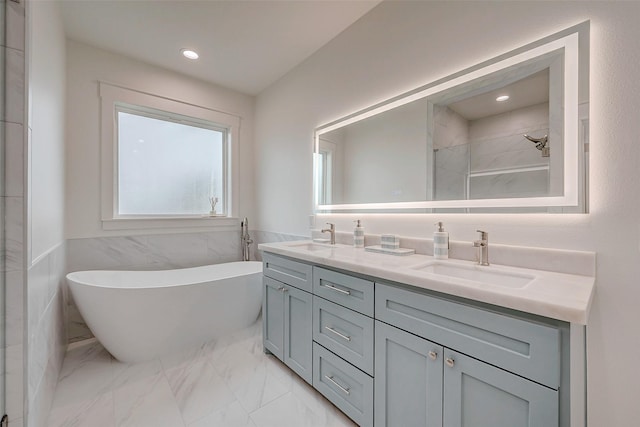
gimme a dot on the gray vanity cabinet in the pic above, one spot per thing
(273, 317)
(419, 383)
(408, 379)
(477, 394)
(390, 355)
(287, 313)
(473, 384)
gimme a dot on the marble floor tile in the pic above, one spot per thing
(198, 390)
(146, 402)
(253, 381)
(97, 412)
(298, 414)
(232, 415)
(227, 383)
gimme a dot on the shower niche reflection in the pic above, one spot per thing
(457, 145)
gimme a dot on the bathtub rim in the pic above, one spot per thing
(76, 277)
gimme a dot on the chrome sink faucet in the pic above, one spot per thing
(483, 247)
(332, 230)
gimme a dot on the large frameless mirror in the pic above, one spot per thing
(507, 135)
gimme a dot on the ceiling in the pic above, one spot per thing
(245, 45)
(532, 90)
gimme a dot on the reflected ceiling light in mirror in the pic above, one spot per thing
(189, 54)
(502, 98)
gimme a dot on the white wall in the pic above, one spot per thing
(385, 155)
(86, 66)
(400, 45)
(45, 200)
(47, 79)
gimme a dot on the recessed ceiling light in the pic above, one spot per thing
(190, 54)
(502, 98)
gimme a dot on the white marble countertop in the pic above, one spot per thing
(561, 296)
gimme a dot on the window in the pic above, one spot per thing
(163, 161)
(168, 165)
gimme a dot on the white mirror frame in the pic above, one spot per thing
(571, 118)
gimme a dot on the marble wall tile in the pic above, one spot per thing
(46, 332)
(14, 374)
(37, 358)
(224, 246)
(2, 19)
(12, 68)
(13, 159)
(13, 216)
(508, 152)
(37, 293)
(19, 422)
(521, 184)
(106, 253)
(15, 25)
(177, 250)
(259, 236)
(14, 315)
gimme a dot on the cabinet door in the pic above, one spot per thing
(298, 312)
(273, 317)
(408, 379)
(480, 395)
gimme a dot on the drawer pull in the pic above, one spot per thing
(433, 355)
(330, 329)
(342, 291)
(449, 362)
(345, 390)
(283, 289)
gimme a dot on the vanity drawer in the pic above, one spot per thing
(529, 349)
(344, 332)
(291, 272)
(350, 389)
(348, 291)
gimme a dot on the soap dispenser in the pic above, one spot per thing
(440, 243)
(358, 235)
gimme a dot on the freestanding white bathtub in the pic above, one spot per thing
(142, 315)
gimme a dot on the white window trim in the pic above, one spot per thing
(112, 95)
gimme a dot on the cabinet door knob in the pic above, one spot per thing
(449, 362)
(433, 355)
(283, 289)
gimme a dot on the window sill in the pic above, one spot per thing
(170, 222)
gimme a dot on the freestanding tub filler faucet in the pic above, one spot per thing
(246, 239)
(332, 230)
(483, 247)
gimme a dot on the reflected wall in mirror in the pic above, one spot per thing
(507, 135)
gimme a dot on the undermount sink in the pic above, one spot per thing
(482, 274)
